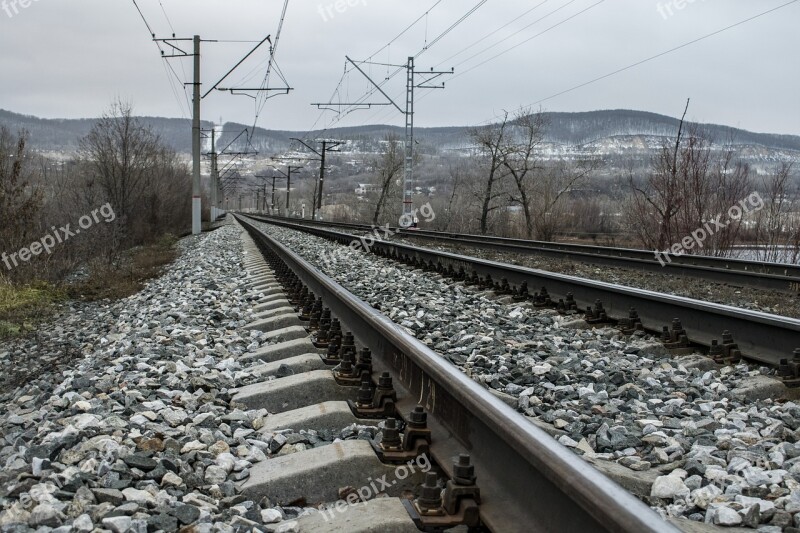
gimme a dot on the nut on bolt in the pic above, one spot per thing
(430, 498)
(391, 436)
(464, 471)
(365, 394)
(382, 400)
(461, 495)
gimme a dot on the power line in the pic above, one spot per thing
(183, 68)
(273, 51)
(166, 16)
(343, 113)
(493, 32)
(560, 23)
(424, 15)
(637, 63)
(382, 112)
(582, 11)
(684, 45)
(509, 37)
(387, 45)
(452, 27)
(168, 68)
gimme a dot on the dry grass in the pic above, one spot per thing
(138, 265)
(21, 307)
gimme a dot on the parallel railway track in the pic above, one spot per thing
(781, 277)
(527, 480)
(758, 336)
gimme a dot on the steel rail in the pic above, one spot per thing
(782, 277)
(528, 481)
(760, 336)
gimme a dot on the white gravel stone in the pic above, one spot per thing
(725, 516)
(117, 524)
(271, 516)
(83, 524)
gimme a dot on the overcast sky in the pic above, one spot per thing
(70, 59)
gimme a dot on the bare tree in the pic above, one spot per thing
(659, 199)
(457, 173)
(548, 205)
(122, 154)
(520, 158)
(388, 166)
(20, 199)
(730, 183)
(776, 226)
(491, 143)
(128, 166)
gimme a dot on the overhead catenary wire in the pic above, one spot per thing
(493, 32)
(259, 107)
(554, 26)
(375, 88)
(169, 22)
(185, 113)
(666, 52)
(384, 47)
(645, 60)
(183, 67)
(453, 26)
(461, 73)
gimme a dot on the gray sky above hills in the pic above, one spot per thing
(71, 58)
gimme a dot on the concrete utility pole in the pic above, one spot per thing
(272, 205)
(328, 145)
(288, 176)
(177, 52)
(197, 226)
(289, 170)
(264, 179)
(214, 176)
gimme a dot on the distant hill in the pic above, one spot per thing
(63, 134)
(570, 129)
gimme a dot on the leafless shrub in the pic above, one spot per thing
(20, 198)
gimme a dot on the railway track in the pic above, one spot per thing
(209, 402)
(736, 272)
(526, 481)
(726, 332)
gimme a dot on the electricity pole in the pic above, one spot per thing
(272, 202)
(177, 51)
(196, 191)
(328, 145)
(288, 176)
(289, 185)
(408, 174)
(214, 175)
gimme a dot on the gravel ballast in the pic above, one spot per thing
(119, 416)
(132, 427)
(712, 444)
(764, 300)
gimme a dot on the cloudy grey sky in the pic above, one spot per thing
(71, 58)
